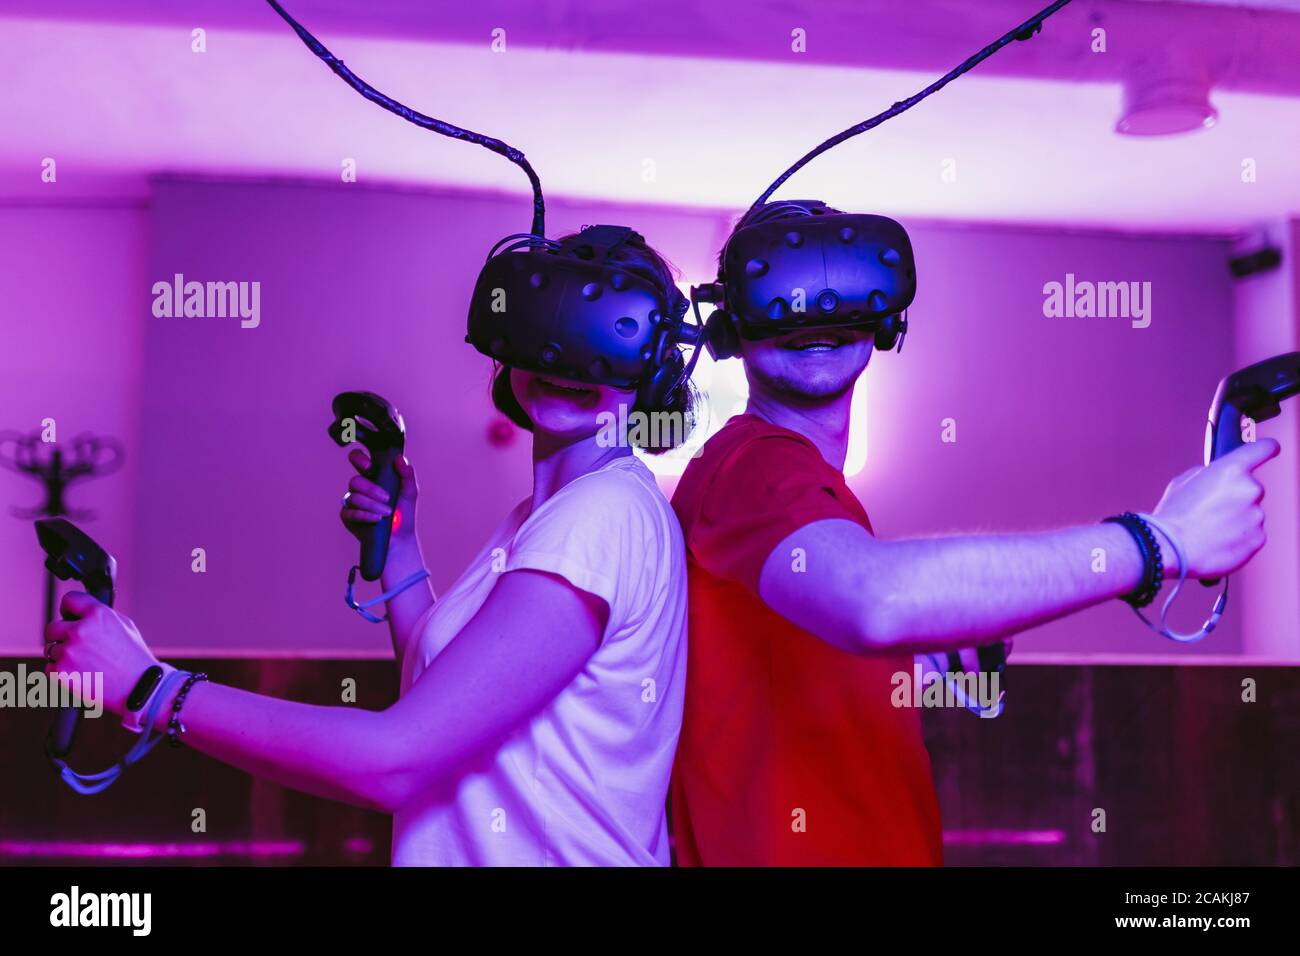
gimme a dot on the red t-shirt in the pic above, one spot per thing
(791, 752)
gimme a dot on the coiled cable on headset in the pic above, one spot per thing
(515, 156)
(786, 209)
(519, 240)
(1023, 32)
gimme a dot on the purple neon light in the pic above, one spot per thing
(59, 848)
(1003, 837)
(268, 848)
(358, 845)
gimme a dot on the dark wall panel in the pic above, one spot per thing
(1186, 772)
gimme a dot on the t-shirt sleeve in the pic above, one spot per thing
(600, 539)
(760, 494)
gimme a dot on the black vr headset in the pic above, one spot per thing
(571, 310)
(796, 265)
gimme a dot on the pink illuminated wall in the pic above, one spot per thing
(72, 291)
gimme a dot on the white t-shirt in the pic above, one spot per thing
(584, 782)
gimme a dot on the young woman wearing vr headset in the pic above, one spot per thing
(541, 695)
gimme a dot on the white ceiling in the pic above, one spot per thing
(114, 102)
(1292, 6)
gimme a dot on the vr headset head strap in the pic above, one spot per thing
(598, 242)
(770, 212)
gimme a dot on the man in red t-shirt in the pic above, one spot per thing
(791, 751)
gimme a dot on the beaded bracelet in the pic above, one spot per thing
(174, 726)
(1153, 571)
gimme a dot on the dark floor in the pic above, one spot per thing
(1184, 770)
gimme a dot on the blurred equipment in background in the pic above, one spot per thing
(90, 456)
(1264, 259)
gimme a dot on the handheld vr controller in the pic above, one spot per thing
(1255, 392)
(993, 660)
(72, 554)
(371, 420)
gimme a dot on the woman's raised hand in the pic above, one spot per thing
(366, 503)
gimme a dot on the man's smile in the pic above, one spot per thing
(816, 340)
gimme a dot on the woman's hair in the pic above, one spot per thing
(636, 257)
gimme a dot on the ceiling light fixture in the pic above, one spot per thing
(1163, 100)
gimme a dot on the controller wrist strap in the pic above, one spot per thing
(392, 592)
(92, 783)
(1163, 627)
(959, 695)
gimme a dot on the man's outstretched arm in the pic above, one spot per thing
(865, 595)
